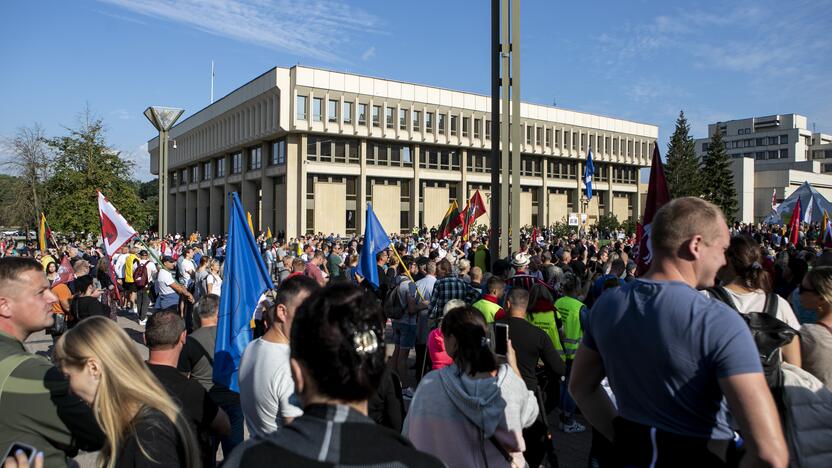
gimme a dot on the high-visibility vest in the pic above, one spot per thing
(480, 259)
(569, 311)
(546, 322)
(488, 309)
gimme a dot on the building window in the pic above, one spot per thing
(487, 129)
(221, 167)
(317, 109)
(529, 131)
(539, 136)
(347, 112)
(784, 139)
(548, 137)
(362, 113)
(194, 173)
(441, 124)
(388, 117)
(301, 108)
(236, 163)
(332, 111)
(454, 123)
(784, 153)
(402, 119)
(417, 121)
(466, 125)
(429, 122)
(255, 160)
(477, 128)
(376, 116)
(279, 152)
(206, 170)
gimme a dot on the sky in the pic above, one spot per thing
(641, 60)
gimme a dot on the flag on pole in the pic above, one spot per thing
(245, 281)
(375, 241)
(268, 232)
(794, 224)
(823, 228)
(473, 210)
(807, 217)
(774, 203)
(589, 171)
(450, 221)
(65, 272)
(657, 196)
(250, 224)
(44, 234)
(115, 230)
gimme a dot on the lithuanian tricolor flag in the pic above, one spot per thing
(44, 234)
(449, 221)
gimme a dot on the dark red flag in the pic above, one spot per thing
(65, 272)
(473, 210)
(657, 196)
(794, 224)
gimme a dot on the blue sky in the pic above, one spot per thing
(641, 60)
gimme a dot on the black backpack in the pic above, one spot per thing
(769, 333)
(393, 307)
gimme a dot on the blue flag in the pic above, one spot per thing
(375, 240)
(245, 280)
(589, 171)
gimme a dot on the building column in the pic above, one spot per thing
(543, 194)
(267, 197)
(361, 201)
(248, 192)
(610, 208)
(578, 199)
(295, 154)
(301, 186)
(215, 223)
(463, 186)
(190, 211)
(172, 212)
(417, 190)
(180, 216)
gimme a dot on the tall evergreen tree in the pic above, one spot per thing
(682, 168)
(83, 164)
(717, 178)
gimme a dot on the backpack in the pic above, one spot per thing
(769, 334)
(393, 307)
(140, 276)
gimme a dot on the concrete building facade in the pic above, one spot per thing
(774, 153)
(307, 148)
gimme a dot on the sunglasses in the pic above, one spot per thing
(804, 289)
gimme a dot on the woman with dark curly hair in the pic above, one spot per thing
(337, 359)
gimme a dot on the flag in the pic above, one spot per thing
(589, 171)
(657, 196)
(268, 232)
(245, 281)
(375, 241)
(807, 217)
(823, 228)
(44, 234)
(65, 272)
(794, 224)
(115, 230)
(250, 224)
(774, 203)
(450, 220)
(473, 210)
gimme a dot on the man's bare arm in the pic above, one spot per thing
(585, 387)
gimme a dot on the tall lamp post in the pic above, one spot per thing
(163, 119)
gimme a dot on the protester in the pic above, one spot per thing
(168, 290)
(140, 421)
(489, 304)
(448, 287)
(816, 338)
(570, 311)
(407, 300)
(337, 360)
(213, 280)
(692, 351)
(165, 338)
(472, 412)
(266, 385)
(85, 303)
(40, 412)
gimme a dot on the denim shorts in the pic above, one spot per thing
(405, 335)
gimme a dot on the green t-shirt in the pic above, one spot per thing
(334, 263)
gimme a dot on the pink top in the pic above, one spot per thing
(436, 350)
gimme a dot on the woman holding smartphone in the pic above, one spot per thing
(474, 406)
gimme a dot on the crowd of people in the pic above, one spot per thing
(719, 355)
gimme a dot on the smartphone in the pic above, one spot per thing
(501, 339)
(27, 449)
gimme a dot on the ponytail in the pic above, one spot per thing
(473, 352)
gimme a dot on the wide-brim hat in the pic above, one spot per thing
(520, 260)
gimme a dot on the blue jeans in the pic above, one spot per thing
(235, 438)
(567, 404)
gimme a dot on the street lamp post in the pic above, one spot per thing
(163, 119)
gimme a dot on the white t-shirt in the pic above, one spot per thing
(118, 264)
(215, 282)
(265, 386)
(755, 301)
(163, 281)
(186, 270)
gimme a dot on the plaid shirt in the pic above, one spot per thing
(447, 288)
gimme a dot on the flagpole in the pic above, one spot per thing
(406, 270)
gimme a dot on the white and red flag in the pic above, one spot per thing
(774, 203)
(66, 274)
(115, 230)
(657, 196)
(473, 210)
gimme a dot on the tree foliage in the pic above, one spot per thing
(682, 168)
(29, 161)
(83, 164)
(717, 178)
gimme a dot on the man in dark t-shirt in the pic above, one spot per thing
(165, 337)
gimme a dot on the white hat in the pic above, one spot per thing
(520, 260)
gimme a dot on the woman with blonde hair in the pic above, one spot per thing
(816, 349)
(142, 424)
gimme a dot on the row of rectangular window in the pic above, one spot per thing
(752, 142)
(216, 168)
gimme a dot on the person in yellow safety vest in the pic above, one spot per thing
(542, 315)
(570, 310)
(489, 305)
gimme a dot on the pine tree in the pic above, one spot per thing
(717, 178)
(682, 168)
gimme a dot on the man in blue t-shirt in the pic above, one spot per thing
(671, 354)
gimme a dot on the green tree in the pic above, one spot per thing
(717, 178)
(15, 211)
(607, 223)
(682, 168)
(83, 164)
(29, 160)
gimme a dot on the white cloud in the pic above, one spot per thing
(141, 160)
(317, 29)
(369, 53)
(121, 114)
